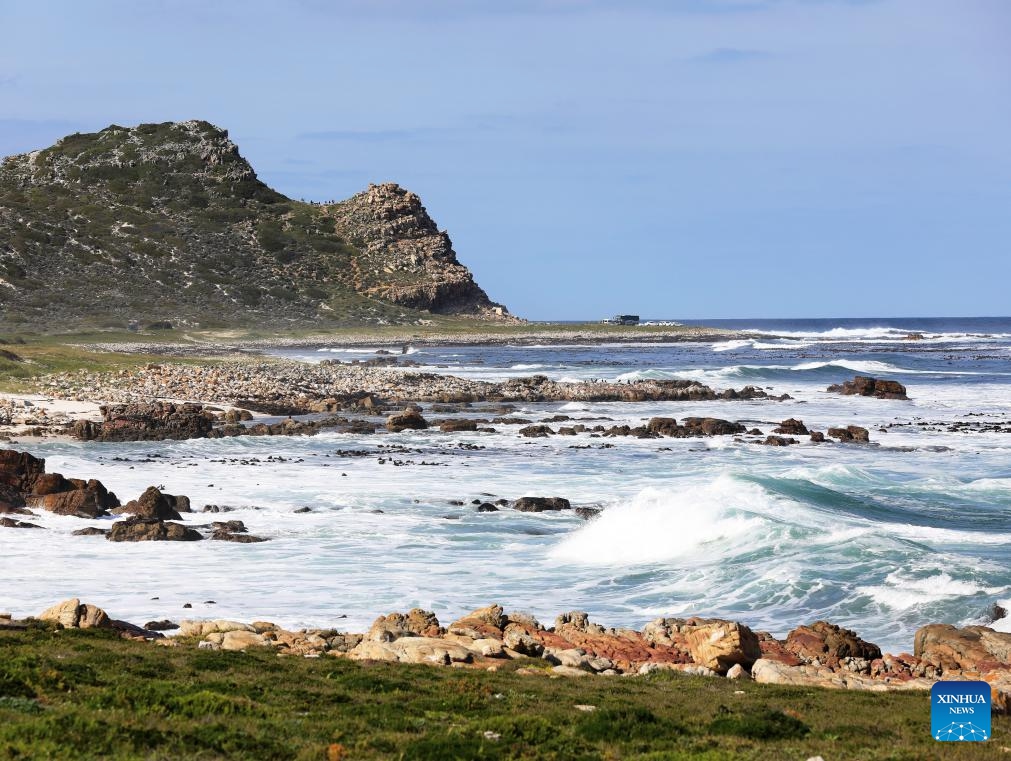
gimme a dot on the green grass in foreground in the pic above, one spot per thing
(74, 694)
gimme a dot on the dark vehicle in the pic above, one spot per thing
(622, 319)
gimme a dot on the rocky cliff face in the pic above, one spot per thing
(403, 257)
(168, 222)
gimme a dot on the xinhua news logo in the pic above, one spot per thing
(960, 711)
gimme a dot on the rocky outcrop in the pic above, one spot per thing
(403, 421)
(402, 257)
(151, 530)
(24, 482)
(863, 385)
(817, 655)
(850, 433)
(792, 427)
(153, 504)
(167, 225)
(155, 421)
(829, 644)
(541, 504)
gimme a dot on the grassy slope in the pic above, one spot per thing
(77, 694)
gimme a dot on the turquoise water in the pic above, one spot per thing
(881, 538)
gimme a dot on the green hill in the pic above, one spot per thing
(167, 222)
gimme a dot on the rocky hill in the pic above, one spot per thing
(168, 223)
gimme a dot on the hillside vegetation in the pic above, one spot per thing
(167, 223)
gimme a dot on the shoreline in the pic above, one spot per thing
(815, 655)
(585, 336)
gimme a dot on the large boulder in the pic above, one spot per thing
(718, 645)
(863, 385)
(73, 614)
(409, 420)
(85, 499)
(153, 504)
(791, 427)
(829, 644)
(973, 648)
(541, 504)
(481, 623)
(710, 426)
(151, 530)
(414, 623)
(147, 421)
(853, 433)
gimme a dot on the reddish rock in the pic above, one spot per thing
(829, 644)
(973, 648)
(409, 420)
(151, 530)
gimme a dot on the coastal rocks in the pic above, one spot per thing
(690, 427)
(151, 530)
(11, 523)
(791, 427)
(24, 482)
(975, 648)
(408, 420)
(454, 426)
(541, 504)
(73, 614)
(718, 645)
(863, 385)
(415, 623)
(233, 531)
(153, 504)
(829, 644)
(851, 433)
(779, 441)
(536, 431)
(156, 421)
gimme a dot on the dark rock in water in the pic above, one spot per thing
(11, 523)
(301, 510)
(541, 504)
(588, 513)
(155, 421)
(161, 626)
(151, 530)
(712, 426)
(995, 613)
(779, 441)
(536, 431)
(792, 427)
(487, 507)
(409, 420)
(452, 426)
(91, 531)
(217, 509)
(850, 433)
(817, 437)
(23, 481)
(863, 385)
(153, 504)
(665, 426)
(233, 531)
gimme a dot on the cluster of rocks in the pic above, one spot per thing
(302, 387)
(863, 385)
(25, 484)
(817, 655)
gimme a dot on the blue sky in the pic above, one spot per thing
(688, 158)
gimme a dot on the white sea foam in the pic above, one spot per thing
(658, 525)
(902, 591)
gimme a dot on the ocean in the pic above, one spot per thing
(880, 538)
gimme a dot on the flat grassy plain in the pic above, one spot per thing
(87, 694)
